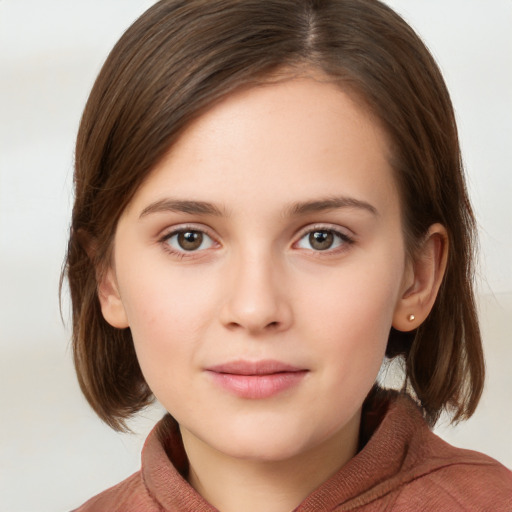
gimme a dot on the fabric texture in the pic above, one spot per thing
(401, 466)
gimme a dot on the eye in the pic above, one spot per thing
(323, 240)
(188, 240)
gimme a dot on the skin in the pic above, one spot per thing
(274, 163)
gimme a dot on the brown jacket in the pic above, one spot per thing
(403, 467)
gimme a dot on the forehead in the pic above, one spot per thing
(289, 139)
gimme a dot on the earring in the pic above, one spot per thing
(411, 318)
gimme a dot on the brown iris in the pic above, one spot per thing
(321, 240)
(190, 240)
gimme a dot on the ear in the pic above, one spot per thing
(111, 303)
(107, 288)
(422, 280)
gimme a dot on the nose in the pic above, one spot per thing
(256, 298)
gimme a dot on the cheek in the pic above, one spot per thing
(158, 296)
(351, 315)
(168, 316)
(358, 296)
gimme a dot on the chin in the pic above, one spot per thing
(274, 449)
(272, 442)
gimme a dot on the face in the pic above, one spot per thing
(259, 268)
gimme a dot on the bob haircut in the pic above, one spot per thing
(181, 57)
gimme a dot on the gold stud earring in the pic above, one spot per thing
(411, 318)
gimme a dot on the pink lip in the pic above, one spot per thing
(256, 379)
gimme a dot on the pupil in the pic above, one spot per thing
(321, 240)
(190, 240)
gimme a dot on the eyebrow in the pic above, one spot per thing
(295, 210)
(182, 206)
(331, 203)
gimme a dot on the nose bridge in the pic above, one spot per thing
(256, 298)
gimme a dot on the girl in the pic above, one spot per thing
(269, 199)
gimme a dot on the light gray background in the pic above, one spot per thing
(54, 453)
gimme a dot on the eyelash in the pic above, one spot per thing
(344, 240)
(183, 253)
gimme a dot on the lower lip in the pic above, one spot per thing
(258, 386)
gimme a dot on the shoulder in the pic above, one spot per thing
(450, 478)
(417, 470)
(130, 495)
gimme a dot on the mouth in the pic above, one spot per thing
(256, 379)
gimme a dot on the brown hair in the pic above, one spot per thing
(179, 58)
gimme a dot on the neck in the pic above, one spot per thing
(232, 484)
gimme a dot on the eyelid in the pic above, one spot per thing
(185, 226)
(171, 231)
(344, 233)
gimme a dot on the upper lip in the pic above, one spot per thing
(263, 367)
